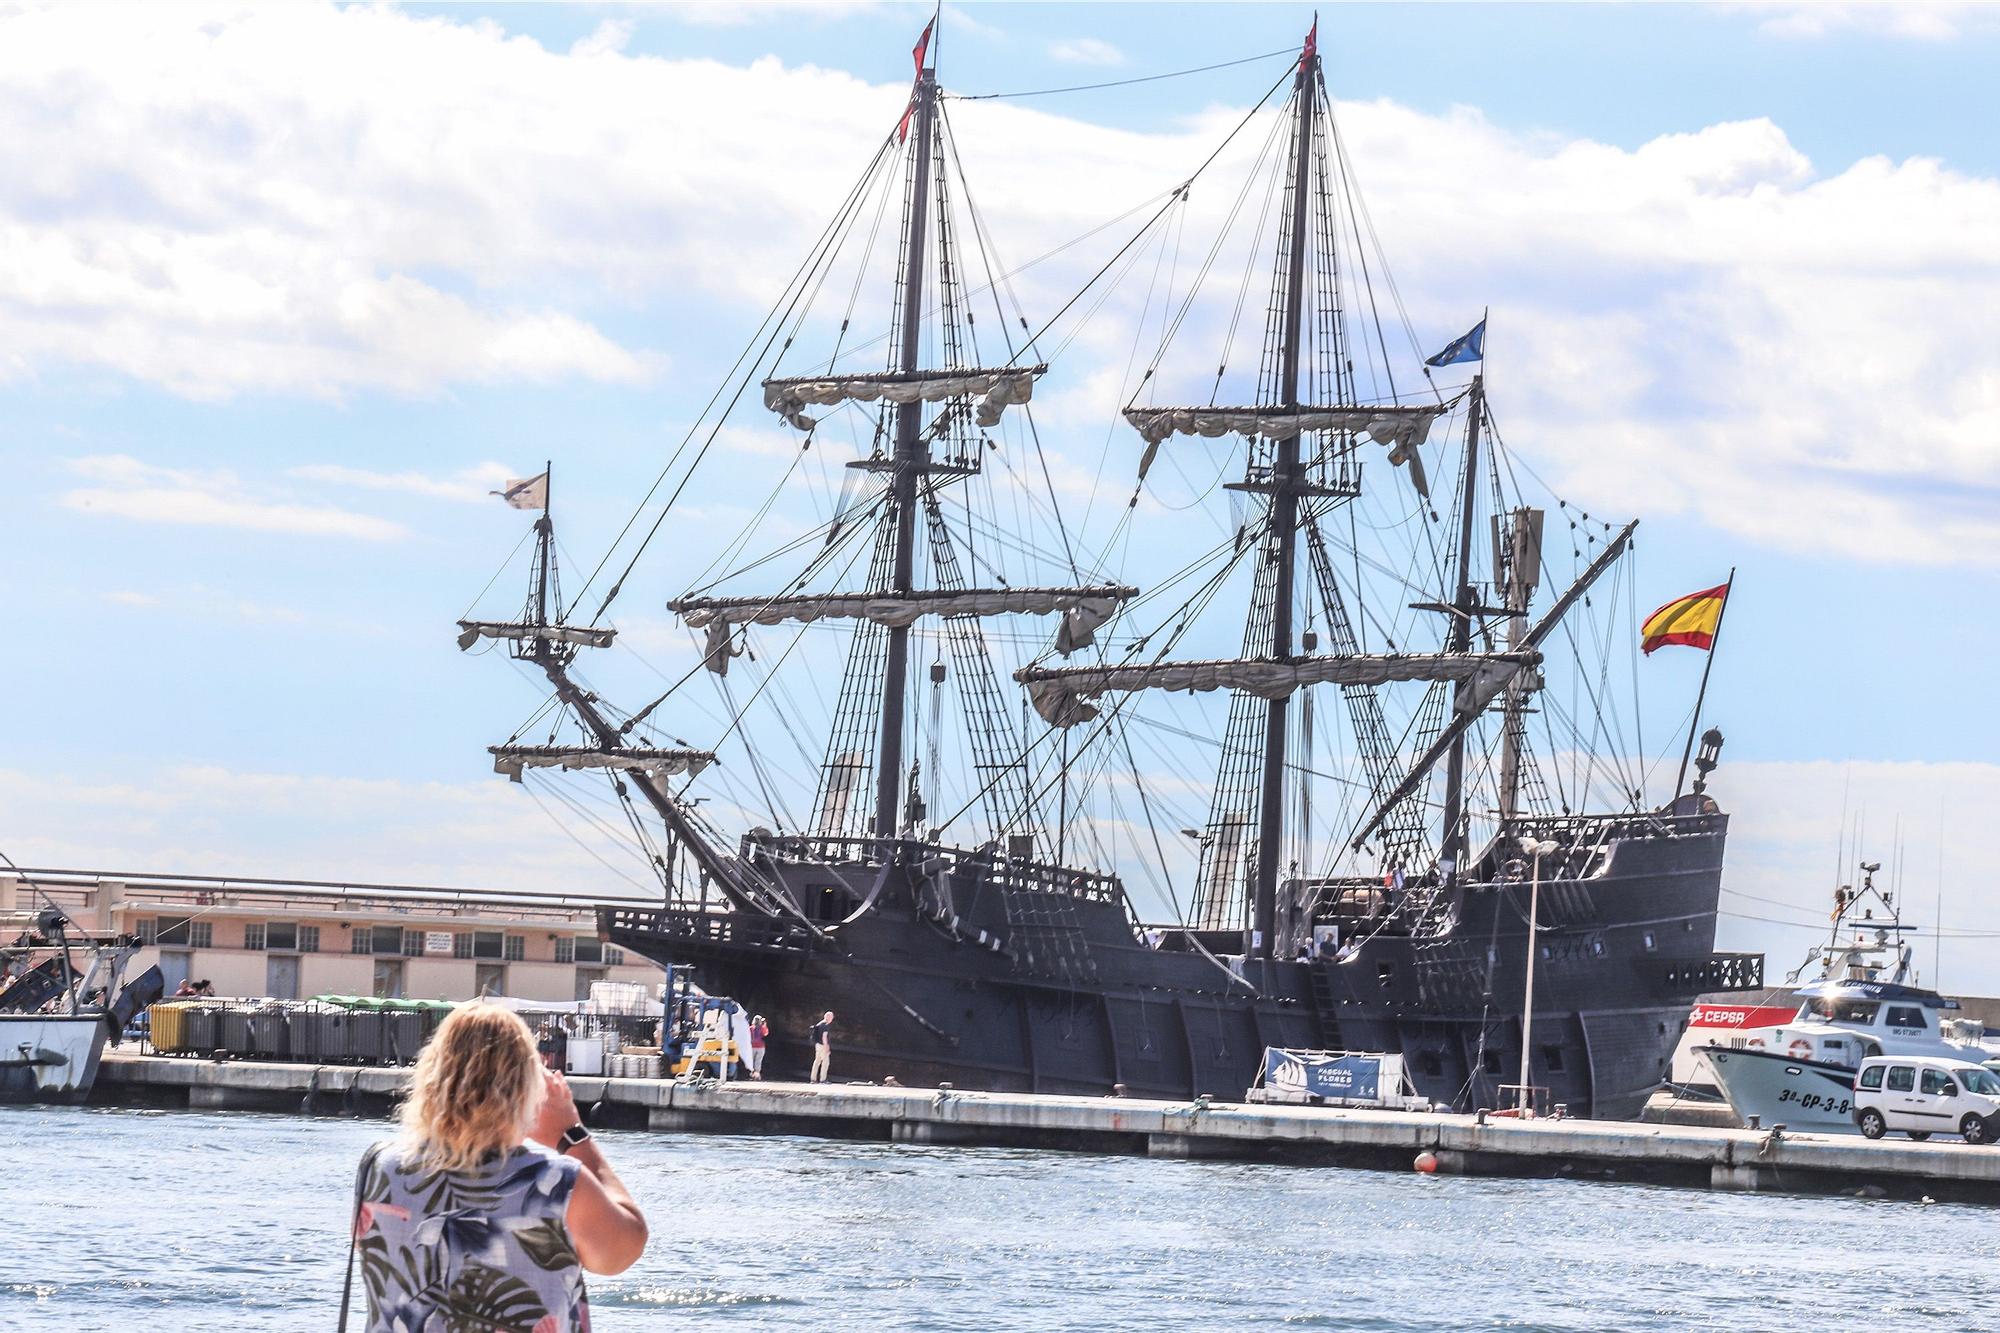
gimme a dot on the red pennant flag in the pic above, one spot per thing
(1312, 43)
(917, 54)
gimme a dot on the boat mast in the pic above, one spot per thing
(1458, 638)
(911, 458)
(1284, 520)
(545, 531)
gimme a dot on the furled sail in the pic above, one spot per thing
(1084, 610)
(999, 388)
(1061, 694)
(1403, 429)
(590, 636)
(511, 759)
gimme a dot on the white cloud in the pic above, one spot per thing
(128, 488)
(207, 603)
(201, 819)
(1085, 51)
(740, 13)
(473, 485)
(1922, 21)
(1784, 856)
(607, 38)
(1708, 323)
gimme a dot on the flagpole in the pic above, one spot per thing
(1694, 723)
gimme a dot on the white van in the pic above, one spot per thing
(1924, 1095)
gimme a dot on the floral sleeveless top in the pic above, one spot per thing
(482, 1251)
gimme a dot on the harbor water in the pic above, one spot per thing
(167, 1221)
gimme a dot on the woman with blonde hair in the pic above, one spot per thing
(487, 1208)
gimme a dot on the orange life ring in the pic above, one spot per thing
(1754, 1044)
(1800, 1049)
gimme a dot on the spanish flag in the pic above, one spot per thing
(1690, 620)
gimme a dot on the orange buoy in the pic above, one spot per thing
(1427, 1163)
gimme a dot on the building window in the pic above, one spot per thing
(590, 950)
(253, 935)
(1552, 1058)
(173, 931)
(281, 935)
(308, 939)
(149, 930)
(516, 948)
(413, 944)
(565, 949)
(461, 945)
(388, 940)
(363, 941)
(201, 934)
(488, 944)
(614, 955)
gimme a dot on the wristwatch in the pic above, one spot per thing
(572, 1136)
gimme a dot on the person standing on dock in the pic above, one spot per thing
(760, 1032)
(490, 1205)
(822, 1044)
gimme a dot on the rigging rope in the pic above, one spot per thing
(1292, 51)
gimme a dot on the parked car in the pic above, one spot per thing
(1922, 1095)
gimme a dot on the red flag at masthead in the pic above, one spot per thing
(917, 54)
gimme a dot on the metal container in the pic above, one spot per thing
(402, 1035)
(270, 1033)
(236, 1031)
(203, 1032)
(363, 1032)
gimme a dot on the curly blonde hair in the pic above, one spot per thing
(475, 1091)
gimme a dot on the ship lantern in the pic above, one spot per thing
(1706, 759)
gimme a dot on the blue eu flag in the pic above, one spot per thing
(1469, 348)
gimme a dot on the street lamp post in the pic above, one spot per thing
(1537, 850)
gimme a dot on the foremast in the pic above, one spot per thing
(541, 639)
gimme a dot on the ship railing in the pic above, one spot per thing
(746, 929)
(1021, 874)
(1572, 829)
(1717, 972)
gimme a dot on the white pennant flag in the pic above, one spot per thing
(530, 494)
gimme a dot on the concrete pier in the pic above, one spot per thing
(1731, 1159)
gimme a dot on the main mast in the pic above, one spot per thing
(910, 457)
(1284, 519)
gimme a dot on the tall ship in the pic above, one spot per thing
(951, 711)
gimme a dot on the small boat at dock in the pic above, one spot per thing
(63, 995)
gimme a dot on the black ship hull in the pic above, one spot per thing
(951, 967)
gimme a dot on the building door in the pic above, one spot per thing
(489, 979)
(584, 977)
(174, 968)
(281, 976)
(388, 978)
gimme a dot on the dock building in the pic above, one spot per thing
(293, 939)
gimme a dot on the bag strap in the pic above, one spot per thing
(354, 1233)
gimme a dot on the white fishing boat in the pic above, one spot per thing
(1801, 1074)
(63, 995)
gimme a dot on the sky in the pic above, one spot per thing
(285, 292)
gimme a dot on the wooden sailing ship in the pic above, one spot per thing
(970, 945)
